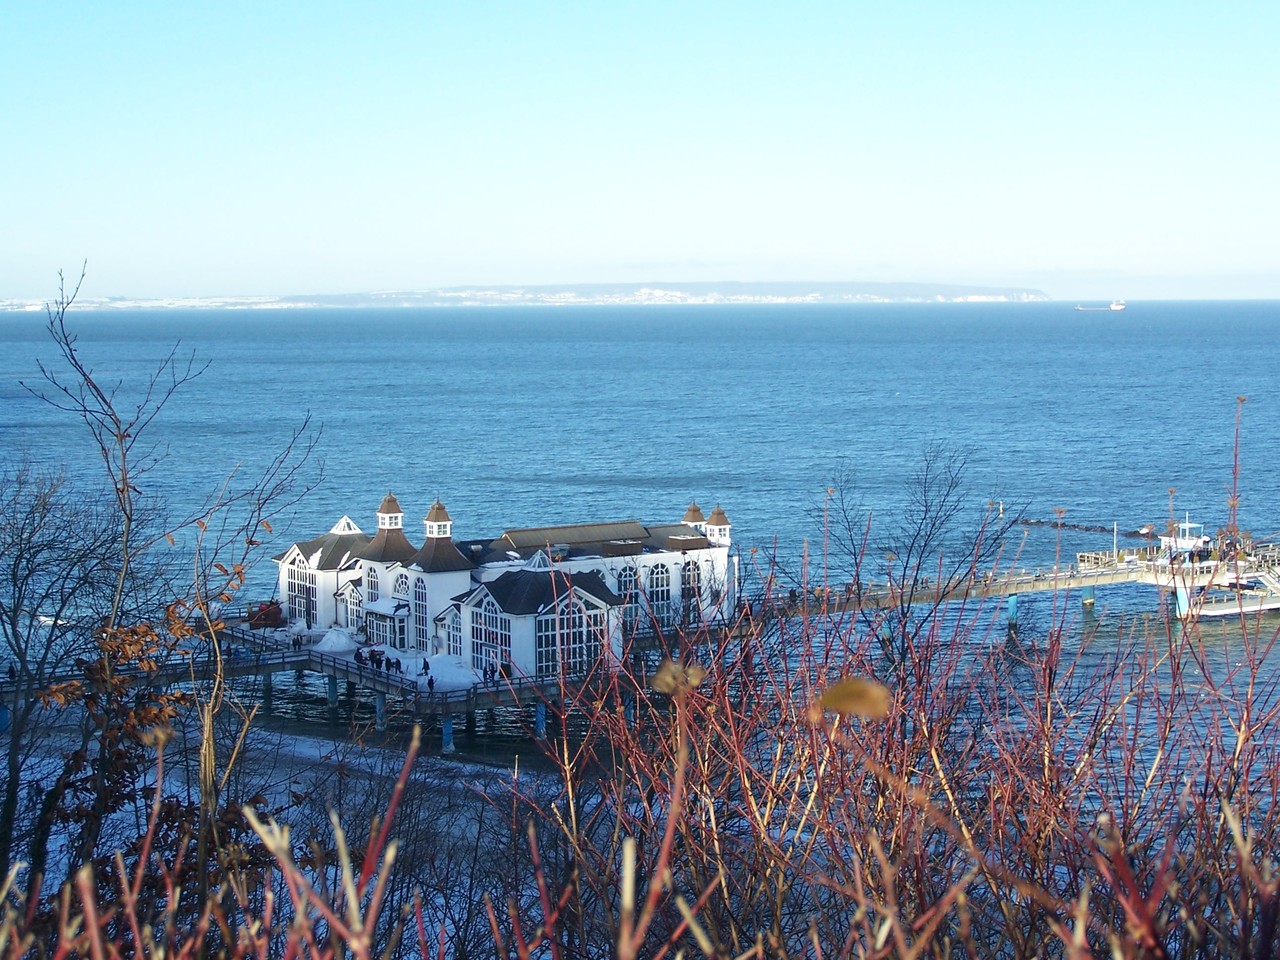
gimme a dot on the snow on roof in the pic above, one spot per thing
(388, 607)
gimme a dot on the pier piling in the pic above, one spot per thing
(540, 721)
(446, 734)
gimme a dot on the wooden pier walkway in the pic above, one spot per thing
(1186, 581)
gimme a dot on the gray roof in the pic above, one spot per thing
(522, 592)
(536, 537)
(335, 550)
(585, 540)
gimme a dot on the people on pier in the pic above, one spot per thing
(431, 684)
(360, 660)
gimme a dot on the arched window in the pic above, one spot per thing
(302, 591)
(454, 627)
(401, 589)
(629, 591)
(490, 636)
(371, 584)
(691, 590)
(421, 618)
(354, 613)
(569, 639)
(659, 594)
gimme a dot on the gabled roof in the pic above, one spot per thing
(524, 592)
(331, 551)
(390, 545)
(439, 555)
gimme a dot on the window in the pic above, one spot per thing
(568, 639)
(302, 591)
(355, 613)
(371, 583)
(629, 591)
(454, 630)
(691, 591)
(380, 630)
(421, 620)
(490, 635)
(659, 590)
(401, 589)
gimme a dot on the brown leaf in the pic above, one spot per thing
(857, 696)
(672, 678)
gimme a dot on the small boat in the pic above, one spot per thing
(1115, 305)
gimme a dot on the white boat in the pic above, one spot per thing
(1115, 305)
(1188, 544)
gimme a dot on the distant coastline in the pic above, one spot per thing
(579, 294)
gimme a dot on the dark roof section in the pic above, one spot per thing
(619, 539)
(522, 592)
(332, 551)
(389, 504)
(537, 537)
(439, 555)
(388, 546)
(717, 518)
(694, 514)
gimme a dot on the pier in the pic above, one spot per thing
(1243, 584)
(1249, 583)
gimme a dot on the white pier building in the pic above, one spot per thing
(531, 602)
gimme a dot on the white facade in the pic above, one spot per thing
(513, 601)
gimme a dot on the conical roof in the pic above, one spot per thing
(440, 555)
(717, 518)
(438, 514)
(389, 504)
(694, 514)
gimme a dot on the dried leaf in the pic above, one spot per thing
(672, 678)
(857, 696)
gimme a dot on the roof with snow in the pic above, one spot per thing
(332, 551)
(522, 592)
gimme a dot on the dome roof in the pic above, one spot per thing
(694, 514)
(390, 504)
(438, 514)
(717, 518)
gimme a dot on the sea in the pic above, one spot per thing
(535, 416)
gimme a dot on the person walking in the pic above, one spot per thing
(431, 684)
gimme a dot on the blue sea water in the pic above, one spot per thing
(534, 416)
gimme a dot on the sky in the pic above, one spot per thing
(1085, 149)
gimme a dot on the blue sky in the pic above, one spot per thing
(1089, 149)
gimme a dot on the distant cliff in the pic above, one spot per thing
(593, 293)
